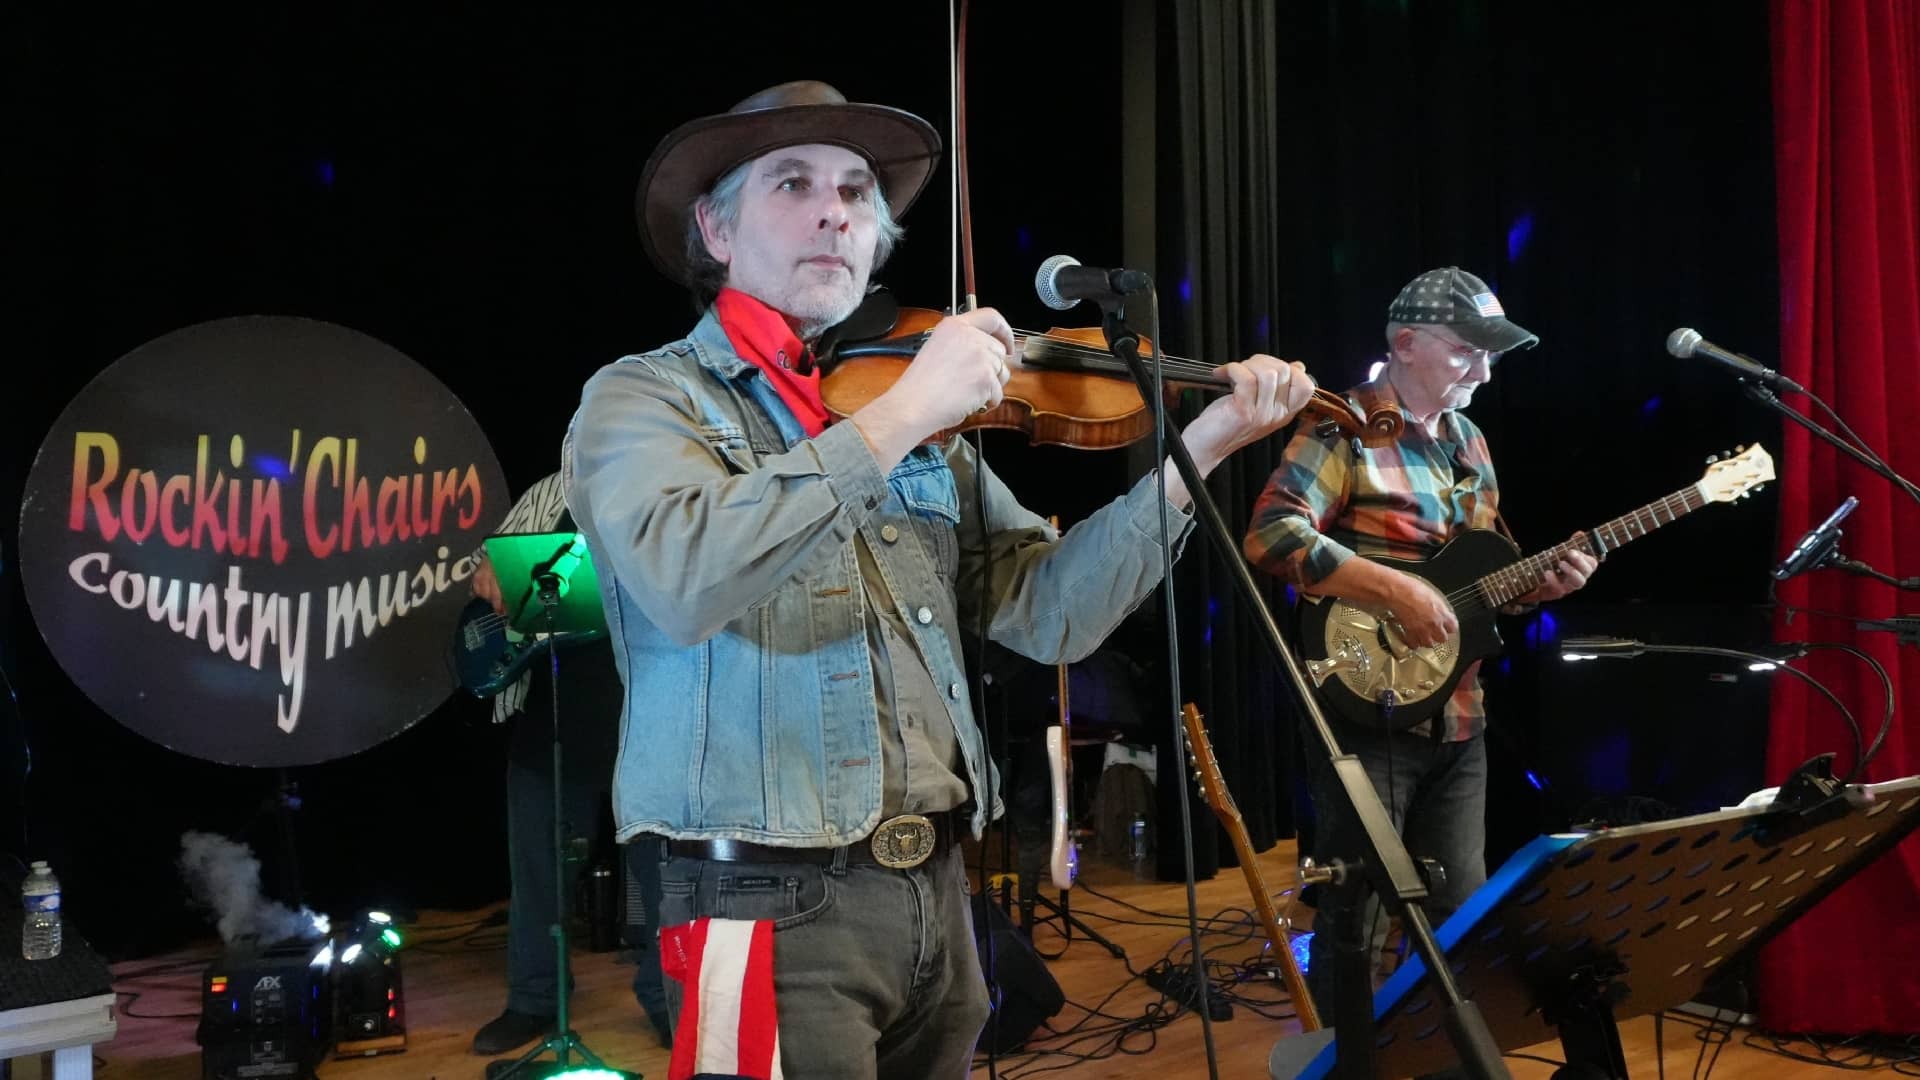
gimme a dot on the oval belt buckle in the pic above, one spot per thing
(903, 842)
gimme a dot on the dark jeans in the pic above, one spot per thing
(1436, 794)
(642, 856)
(875, 972)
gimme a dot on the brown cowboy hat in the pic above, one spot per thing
(902, 147)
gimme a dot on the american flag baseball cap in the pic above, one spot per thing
(1453, 298)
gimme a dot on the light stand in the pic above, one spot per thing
(1383, 865)
(564, 572)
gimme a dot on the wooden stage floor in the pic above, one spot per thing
(456, 985)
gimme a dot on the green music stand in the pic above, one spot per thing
(521, 559)
(549, 587)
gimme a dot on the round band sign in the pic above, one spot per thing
(247, 540)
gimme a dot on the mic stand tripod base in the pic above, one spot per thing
(525, 1068)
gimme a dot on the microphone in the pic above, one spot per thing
(1814, 547)
(1686, 342)
(1062, 282)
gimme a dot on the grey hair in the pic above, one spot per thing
(706, 274)
(1393, 330)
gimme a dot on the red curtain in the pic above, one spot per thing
(1846, 89)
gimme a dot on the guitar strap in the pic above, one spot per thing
(1454, 449)
(1500, 525)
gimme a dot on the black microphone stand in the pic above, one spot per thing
(1854, 566)
(1905, 627)
(545, 584)
(1767, 397)
(1383, 866)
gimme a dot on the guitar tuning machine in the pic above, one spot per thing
(1313, 873)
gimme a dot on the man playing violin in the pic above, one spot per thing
(788, 597)
(1328, 501)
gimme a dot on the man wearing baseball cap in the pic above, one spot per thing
(1328, 501)
(788, 596)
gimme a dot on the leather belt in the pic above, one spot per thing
(900, 842)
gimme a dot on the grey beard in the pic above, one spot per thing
(810, 326)
(810, 330)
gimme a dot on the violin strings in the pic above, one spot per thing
(1099, 357)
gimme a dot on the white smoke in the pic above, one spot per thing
(224, 876)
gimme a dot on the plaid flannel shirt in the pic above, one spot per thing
(1327, 503)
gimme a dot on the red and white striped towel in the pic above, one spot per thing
(728, 1024)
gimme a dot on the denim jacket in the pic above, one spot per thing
(723, 540)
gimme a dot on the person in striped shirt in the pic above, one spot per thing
(1329, 501)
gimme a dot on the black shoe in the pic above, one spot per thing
(662, 1029)
(510, 1031)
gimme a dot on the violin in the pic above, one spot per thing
(1066, 389)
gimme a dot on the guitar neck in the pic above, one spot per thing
(1303, 1005)
(1215, 787)
(1510, 583)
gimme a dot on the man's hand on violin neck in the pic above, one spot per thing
(962, 369)
(1267, 392)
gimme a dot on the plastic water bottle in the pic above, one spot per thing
(1138, 835)
(40, 895)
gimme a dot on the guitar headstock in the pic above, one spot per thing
(1206, 767)
(1737, 474)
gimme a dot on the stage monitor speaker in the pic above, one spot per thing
(1018, 979)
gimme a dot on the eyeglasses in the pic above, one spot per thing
(1460, 350)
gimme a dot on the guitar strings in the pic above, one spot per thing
(1474, 597)
(486, 624)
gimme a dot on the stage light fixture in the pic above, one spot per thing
(369, 1001)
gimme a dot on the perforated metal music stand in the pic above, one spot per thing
(1579, 931)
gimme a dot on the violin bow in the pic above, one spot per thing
(962, 204)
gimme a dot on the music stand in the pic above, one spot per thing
(1579, 931)
(520, 559)
(548, 583)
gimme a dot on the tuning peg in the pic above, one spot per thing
(1334, 872)
(1711, 458)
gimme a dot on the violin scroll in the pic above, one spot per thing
(1332, 415)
